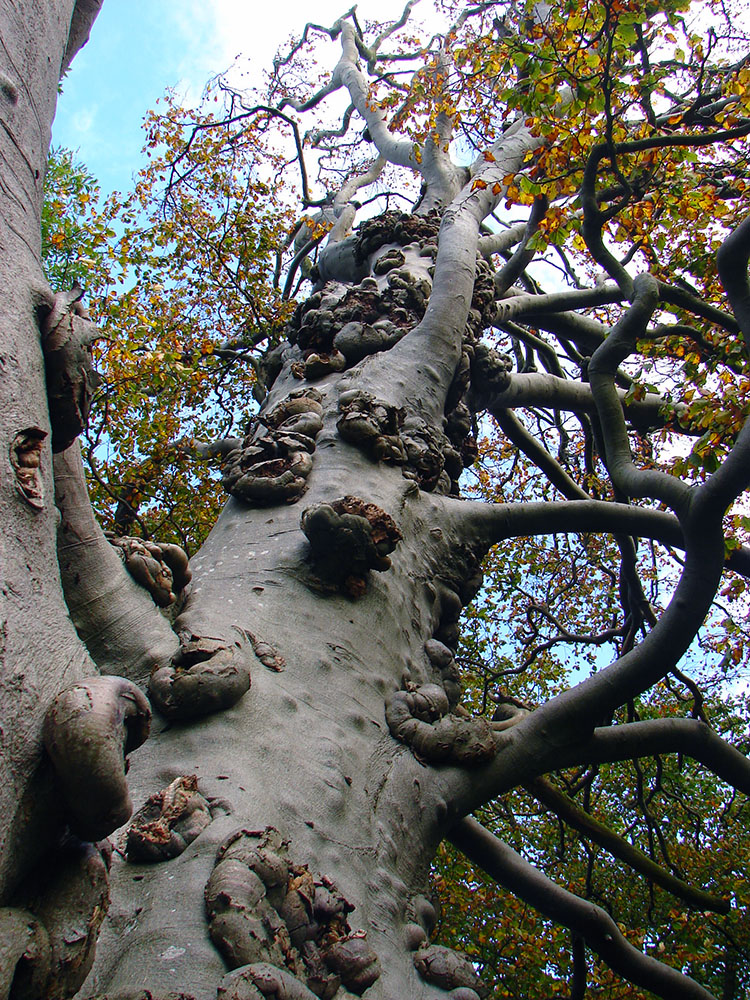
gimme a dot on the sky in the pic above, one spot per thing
(139, 48)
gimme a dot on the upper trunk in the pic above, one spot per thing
(307, 750)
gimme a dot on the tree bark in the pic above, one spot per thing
(41, 653)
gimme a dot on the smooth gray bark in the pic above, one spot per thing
(41, 653)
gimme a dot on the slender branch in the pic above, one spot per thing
(317, 136)
(332, 33)
(357, 181)
(594, 218)
(534, 450)
(714, 496)
(392, 27)
(588, 826)
(514, 268)
(683, 299)
(595, 926)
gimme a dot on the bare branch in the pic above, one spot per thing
(534, 450)
(536, 389)
(516, 306)
(502, 241)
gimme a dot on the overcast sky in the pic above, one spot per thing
(138, 48)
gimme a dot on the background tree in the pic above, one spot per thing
(337, 572)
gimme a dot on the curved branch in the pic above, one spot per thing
(352, 184)
(594, 925)
(683, 299)
(514, 268)
(567, 719)
(317, 136)
(620, 343)
(348, 74)
(594, 218)
(486, 524)
(392, 28)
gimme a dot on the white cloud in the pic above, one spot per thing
(83, 121)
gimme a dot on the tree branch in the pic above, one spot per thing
(485, 524)
(620, 343)
(516, 306)
(554, 393)
(595, 926)
(534, 450)
(348, 74)
(588, 826)
(427, 356)
(502, 241)
(514, 268)
(732, 261)
(690, 737)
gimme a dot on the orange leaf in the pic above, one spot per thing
(478, 183)
(488, 156)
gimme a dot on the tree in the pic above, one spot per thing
(288, 827)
